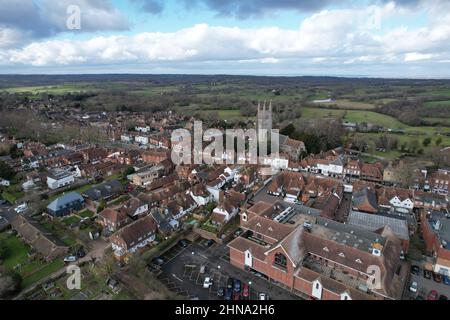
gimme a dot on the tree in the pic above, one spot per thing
(426, 141)
(129, 170)
(101, 206)
(438, 141)
(3, 250)
(9, 284)
(6, 172)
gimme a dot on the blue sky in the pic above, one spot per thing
(376, 38)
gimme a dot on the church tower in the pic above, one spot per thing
(264, 121)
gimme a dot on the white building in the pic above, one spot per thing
(59, 178)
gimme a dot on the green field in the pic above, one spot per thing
(348, 104)
(354, 116)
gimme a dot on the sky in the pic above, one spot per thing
(363, 38)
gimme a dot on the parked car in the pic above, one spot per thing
(207, 283)
(245, 291)
(69, 259)
(237, 285)
(413, 287)
(415, 270)
(419, 297)
(443, 297)
(437, 277)
(433, 295)
(209, 243)
(230, 283)
(203, 269)
(228, 294)
(263, 296)
(183, 243)
(427, 274)
(221, 292)
(446, 280)
(21, 208)
(158, 261)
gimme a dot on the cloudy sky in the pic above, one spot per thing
(377, 38)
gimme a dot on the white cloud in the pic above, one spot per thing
(416, 56)
(329, 38)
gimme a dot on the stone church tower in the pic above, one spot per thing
(264, 121)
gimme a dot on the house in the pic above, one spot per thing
(200, 194)
(224, 211)
(321, 258)
(133, 237)
(440, 181)
(352, 169)
(332, 166)
(372, 172)
(293, 148)
(287, 184)
(428, 200)
(45, 244)
(395, 198)
(105, 191)
(182, 205)
(112, 219)
(434, 227)
(59, 178)
(146, 176)
(134, 208)
(365, 200)
(66, 204)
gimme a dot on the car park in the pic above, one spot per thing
(433, 295)
(415, 270)
(427, 274)
(413, 287)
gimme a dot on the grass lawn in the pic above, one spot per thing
(17, 254)
(86, 213)
(43, 272)
(71, 220)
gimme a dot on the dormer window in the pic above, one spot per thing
(326, 249)
(270, 229)
(342, 255)
(258, 225)
(358, 260)
(280, 260)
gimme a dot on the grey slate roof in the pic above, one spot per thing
(65, 199)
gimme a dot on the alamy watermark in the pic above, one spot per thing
(249, 146)
(73, 21)
(74, 280)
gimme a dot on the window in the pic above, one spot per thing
(280, 260)
(317, 286)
